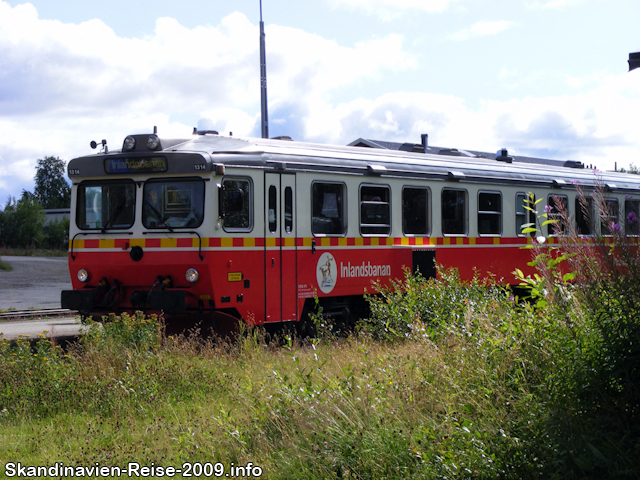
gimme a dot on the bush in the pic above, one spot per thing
(595, 386)
(56, 234)
(21, 223)
(419, 307)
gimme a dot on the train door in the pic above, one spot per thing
(280, 247)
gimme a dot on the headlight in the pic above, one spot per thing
(191, 275)
(129, 143)
(153, 142)
(83, 276)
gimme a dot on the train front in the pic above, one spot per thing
(138, 222)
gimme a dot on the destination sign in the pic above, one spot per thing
(135, 165)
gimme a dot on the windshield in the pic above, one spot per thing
(173, 204)
(105, 205)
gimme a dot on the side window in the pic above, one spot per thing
(609, 218)
(173, 203)
(632, 217)
(273, 209)
(524, 216)
(584, 215)
(489, 213)
(375, 210)
(454, 212)
(557, 208)
(415, 211)
(328, 202)
(236, 204)
(288, 209)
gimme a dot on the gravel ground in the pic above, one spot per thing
(34, 282)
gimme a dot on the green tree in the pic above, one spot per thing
(22, 222)
(52, 189)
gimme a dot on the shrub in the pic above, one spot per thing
(21, 223)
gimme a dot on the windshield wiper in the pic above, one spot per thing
(114, 215)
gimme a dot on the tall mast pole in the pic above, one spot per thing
(263, 81)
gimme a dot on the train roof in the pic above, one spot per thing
(287, 155)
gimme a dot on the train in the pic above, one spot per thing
(266, 231)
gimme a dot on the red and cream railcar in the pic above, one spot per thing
(255, 228)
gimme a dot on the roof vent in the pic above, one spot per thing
(283, 137)
(425, 141)
(573, 164)
(204, 132)
(449, 151)
(502, 155)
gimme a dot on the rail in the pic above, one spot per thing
(44, 313)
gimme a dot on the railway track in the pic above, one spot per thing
(37, 314)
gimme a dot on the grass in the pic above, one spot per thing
(5, 266)
(458, 407)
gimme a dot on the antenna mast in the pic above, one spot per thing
(263, 81)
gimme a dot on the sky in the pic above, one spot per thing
(544, 78)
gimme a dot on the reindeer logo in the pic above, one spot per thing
(326, 272)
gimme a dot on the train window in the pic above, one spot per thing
(236, 204)
(609, 218)
(174, 203)
(273, 209)
(524, 201)
(632, 217)
(288, 209)
(375, 210)
(489, 213)
(415, 211)
(584, 215)
(557, 208)
(328, 209)
(454, 212)
(106, 205)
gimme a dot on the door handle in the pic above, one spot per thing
(273, 262)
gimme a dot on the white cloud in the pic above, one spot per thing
(392, 9)
(553, 4)
(66, 84)
(481, 29)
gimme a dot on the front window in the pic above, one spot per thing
(106, 205)
(173, 204)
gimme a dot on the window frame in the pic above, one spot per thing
(607, 201)
(494, 213)
(166, 181)
(363, 203)
(102, 183)
(250, 203)
(529, 216)
(629, 231)
(555, 214)
(342, 209)
(589, 220)
(465, 220)
(427, 211)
